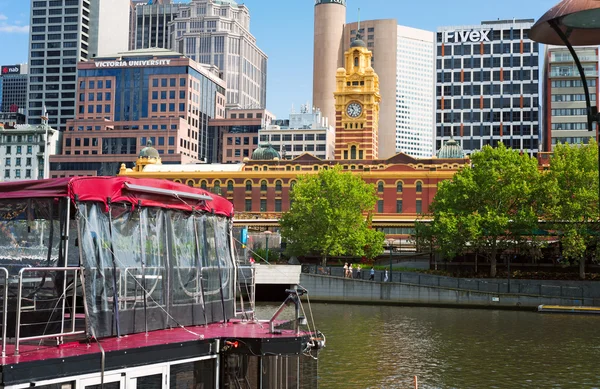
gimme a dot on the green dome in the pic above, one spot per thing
(265, 152)
(451, 150)
(357, 42)
(149, 151)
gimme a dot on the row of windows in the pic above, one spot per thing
(515, 144)
(18, 161)
(172, 82)
(569, 126)
(530, 88)
(17, 139)
(380, 206)
(484, 75)
(486, 62)
(98, 109)
(497, 48)
(487, 130)
(569, 112)
(99, 96)
(572, 97)
(571, 83)
(246, 115)
(501, 102)
(163, 95)
(19, 149)
(96, 84)
(571, 140)
(294, 137)
(488, 116)
(17, 173)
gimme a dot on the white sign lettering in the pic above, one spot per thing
(122, 64)
(467, 36)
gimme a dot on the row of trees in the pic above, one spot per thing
(502, 201)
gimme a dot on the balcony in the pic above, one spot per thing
(571, 71)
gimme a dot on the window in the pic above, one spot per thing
(419, 206)
(398, 206)
(277, 205)
(399, 187)
(419, 187)
(380, 206)
(7, 162)
(263, 205)
(248, 205)
(7, 173)
(248, 186)
(278, 186)
(263, 185)
(380, 186)
(203, 184)
(229, 186)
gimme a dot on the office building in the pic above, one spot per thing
(217, 32)
(235, 136)
(329, 21)
(404, 59)
(150, 21)
(11, 119)
(62, 33)
(487, 84)
(304, 132)
(565, 109)
(22, 151)
(127, 100)
(13, 88)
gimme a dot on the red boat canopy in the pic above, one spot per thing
(114, 189)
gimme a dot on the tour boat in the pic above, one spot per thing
(113, 282)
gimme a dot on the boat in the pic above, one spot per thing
(114, 282)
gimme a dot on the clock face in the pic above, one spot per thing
(354, 110)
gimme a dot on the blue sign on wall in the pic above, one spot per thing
(244, 237)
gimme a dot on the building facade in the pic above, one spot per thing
(236, 136)
(63, 33)
(304, 132)
(23, 152)
(404, 59)
(13, 88)
(329, 21)
(565, 112)
(128, 100)
(150, 21)
(487, 82)
(217, 32)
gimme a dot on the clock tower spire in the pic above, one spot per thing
(357, 105)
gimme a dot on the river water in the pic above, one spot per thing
(386, 346)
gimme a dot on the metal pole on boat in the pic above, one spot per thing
(143, 258)
(220, 275)
(114, 268)
(199, 268)
(65, 241)
(4, 311)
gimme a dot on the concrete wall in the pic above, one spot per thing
(327, 288)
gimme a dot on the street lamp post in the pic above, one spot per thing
(267, 233)
(390, 245)
(573, 23)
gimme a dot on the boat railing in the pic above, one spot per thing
(65, 312)
(246, 292)
(4, 307)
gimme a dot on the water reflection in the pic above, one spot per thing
(385, 347)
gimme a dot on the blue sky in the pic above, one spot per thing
(284, 30)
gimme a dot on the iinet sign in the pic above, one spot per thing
(467, 36)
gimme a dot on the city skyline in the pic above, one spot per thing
(287, 41)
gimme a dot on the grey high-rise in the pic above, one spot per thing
(150, 22)
(13, 88)
(217, 32)
(62, 33)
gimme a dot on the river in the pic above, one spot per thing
(386, 346)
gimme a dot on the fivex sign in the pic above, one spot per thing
(467, 36)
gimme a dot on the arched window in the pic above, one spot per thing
(292, 184)
(278, 185)
(353, 152)
(355, 61)
(263, 185)
(230, 186)
(380, 186)
(248, 186)
(399, 187)
(190, 182)
(217, 187)
(203, 184)
(419, 187)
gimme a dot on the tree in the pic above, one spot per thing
(487, 207)
(572, 200)
(330, 216)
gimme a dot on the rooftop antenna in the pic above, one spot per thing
(358, 29)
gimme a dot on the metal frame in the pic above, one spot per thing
(4, 310)
(60, 335)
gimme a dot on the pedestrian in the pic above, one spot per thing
(358, 271)
(372, 277)
(385, 277)
(346, 270)
(350, 274)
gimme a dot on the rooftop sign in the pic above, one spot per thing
(125, 64)
(11, 69)
(467, 36)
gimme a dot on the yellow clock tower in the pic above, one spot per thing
(357, 105)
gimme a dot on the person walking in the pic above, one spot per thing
(385, 277)
(358, 271)
(372, 276)
(350, 274)
(346, 270)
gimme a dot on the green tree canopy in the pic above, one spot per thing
(329, 216)
(488, 206)
(572, 199)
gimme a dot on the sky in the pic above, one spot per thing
(284, 31)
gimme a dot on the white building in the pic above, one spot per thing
(62, 33)
(415, 92)
(304, 132)
(22, 151)
(217, 32)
